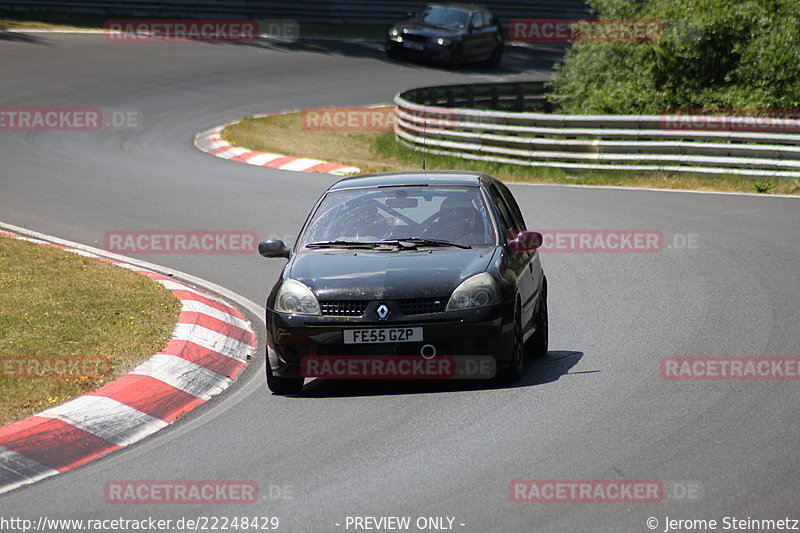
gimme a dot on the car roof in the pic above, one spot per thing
(465, 7)
(414, 177)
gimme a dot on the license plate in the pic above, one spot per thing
(414, 46)
(378, 335)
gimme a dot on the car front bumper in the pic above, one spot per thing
(474, 333)
(427, 51)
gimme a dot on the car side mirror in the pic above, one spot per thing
(273, 248)
(525, 241)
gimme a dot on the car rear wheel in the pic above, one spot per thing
(496, 57)
(283, 386)
(514, 371)
(538, 343)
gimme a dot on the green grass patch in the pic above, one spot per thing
(379, 151)
(59, 305)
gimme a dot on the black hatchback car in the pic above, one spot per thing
(452, 34)
(408, 265)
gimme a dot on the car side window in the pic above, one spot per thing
(477, 20)
(513, 207)
(505, 217)
(488, 19)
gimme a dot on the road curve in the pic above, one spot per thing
(596, 408)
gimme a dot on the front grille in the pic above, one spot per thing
(420, 306)
(343, 307)
(415, 37)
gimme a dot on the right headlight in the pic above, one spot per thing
(295, 298)
(478, 291)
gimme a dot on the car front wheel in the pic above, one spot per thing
(455, 60)
(514, 371)
(538, 342)
(283, 386)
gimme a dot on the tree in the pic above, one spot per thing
(711, 54)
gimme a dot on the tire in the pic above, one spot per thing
(514, 372)
(496, 57)
(455, 60)
(538, 343)
(283, 386)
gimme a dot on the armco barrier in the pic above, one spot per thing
(508, 123)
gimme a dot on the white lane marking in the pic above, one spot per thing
(17, 470)
(177, 286)
(262, 159)
(106, 418)
(301, 164)
(212, 340)
(184, 375)
(193, 306)
(233, 151)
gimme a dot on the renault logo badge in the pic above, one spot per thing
(383, 311)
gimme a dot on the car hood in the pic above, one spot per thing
(427, 30)
(369, 275)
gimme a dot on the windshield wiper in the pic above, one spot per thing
(426, 242)
(344, 244)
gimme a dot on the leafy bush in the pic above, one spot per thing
(712, 54)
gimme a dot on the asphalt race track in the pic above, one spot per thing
(596, 408)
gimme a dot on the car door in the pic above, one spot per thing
(519, 262)
(529, 281)
(493, 33)
(472, 37)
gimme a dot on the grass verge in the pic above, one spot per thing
(59, 306)
(378, 151)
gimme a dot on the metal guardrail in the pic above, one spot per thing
(508, 123)
(312, 11)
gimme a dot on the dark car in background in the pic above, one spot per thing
(408, 264)
(452, 34)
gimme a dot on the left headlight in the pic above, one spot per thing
(394, 32)
(441, 41)
(478, 291)
(294, 297)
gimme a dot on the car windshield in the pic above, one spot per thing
(454, 214)
(445, 17)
